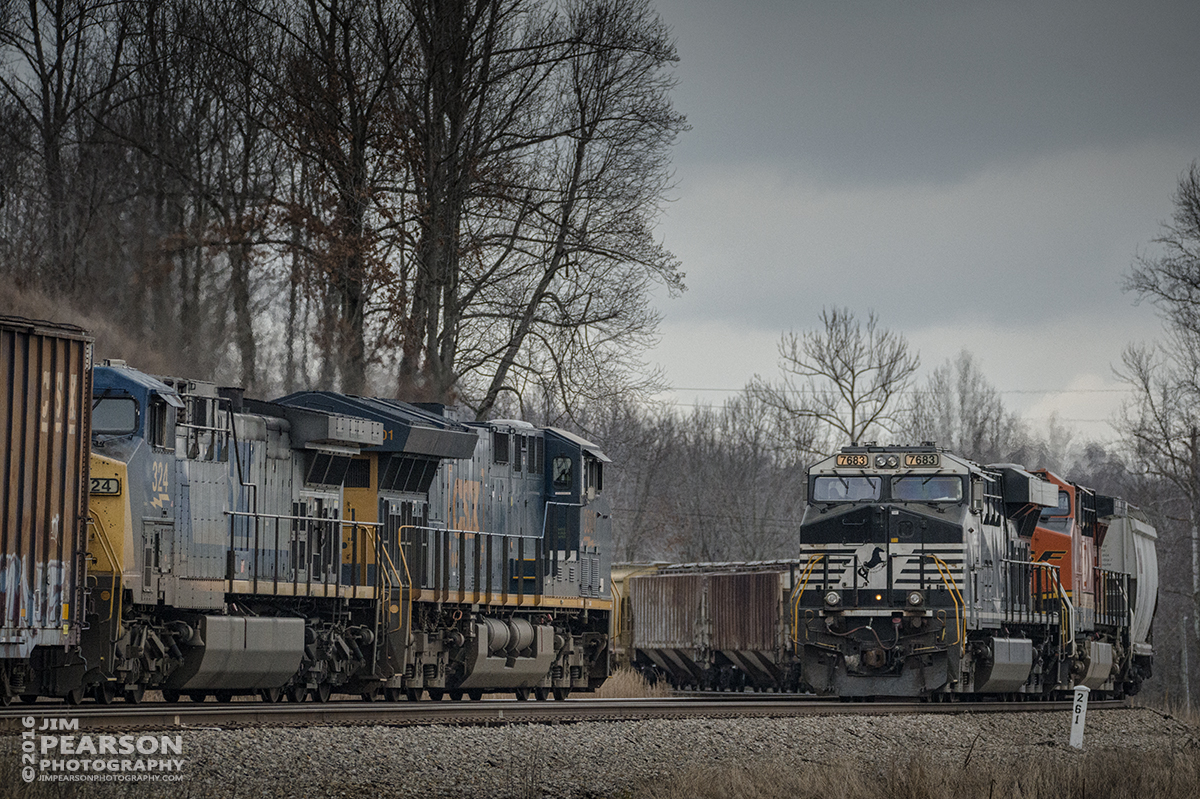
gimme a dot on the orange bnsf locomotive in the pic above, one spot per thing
(171, 535)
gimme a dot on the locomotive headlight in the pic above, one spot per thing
(915, 598)
(832, 598)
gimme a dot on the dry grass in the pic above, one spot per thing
(625, 683)
(1096, 775)
(1188, 715)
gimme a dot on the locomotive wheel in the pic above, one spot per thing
(134, 694)
(541, 694)
(224, 697)
(297, 693)
(75, 696)
(271, 695)
(5, 700)
(561, 694)
(393, 694)
(456, 696)
(29, 699)
(105, 693)
(436, 694)
(171, 695)
(371, 694)
(197, 696)
(322, 692)
(413, 694)
(476, 694)
(522, 694)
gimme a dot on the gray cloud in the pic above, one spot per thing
(868, 92)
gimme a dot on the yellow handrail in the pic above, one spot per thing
(1066, 621)
(395, 574)
(960, 626)
(813, 560)
(112, 559)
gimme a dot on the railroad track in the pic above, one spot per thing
(489, 712)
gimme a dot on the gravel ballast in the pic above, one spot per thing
(602, 759)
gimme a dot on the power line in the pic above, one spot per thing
(1023, 416)
(922, 391)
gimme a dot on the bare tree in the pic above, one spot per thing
(1161, 426)
(959, 409)
(62, 62)
(1170, 278)
(538, 157)
(643, 443)
(738, 497)
(846, 376)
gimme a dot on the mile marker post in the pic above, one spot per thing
(1078, 714)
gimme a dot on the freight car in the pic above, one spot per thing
(317, 544)
(920, 574)
(708, 626)
(44, 431)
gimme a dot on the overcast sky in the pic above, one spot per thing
(981, 174)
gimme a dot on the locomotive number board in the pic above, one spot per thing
(105, 486)
(858, 460)
(922, 459)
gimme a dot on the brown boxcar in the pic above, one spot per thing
(715, 625)
(45, 412)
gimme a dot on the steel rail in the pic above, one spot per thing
(489, 712)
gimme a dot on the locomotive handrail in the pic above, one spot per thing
(813, 560)
(1067, 620)
(960, 627)
(344, 522)
(395, 573)
(339, 522)
(112, 558)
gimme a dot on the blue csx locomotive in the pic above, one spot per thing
(320, 543)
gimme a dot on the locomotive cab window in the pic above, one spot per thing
(563, 471)
(160, 424)
(593, 476)
(1057, 518)
(115, 416)
(928, 488)
(845, 488)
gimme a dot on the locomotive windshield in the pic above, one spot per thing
(1058, 518)
(1063, 509)
(847, 488)
(900, 488)
(928, 488)
(115, 416)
